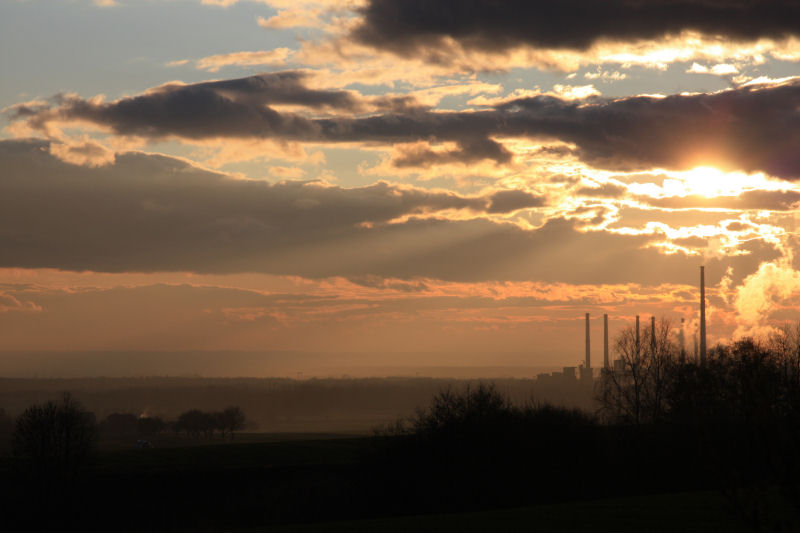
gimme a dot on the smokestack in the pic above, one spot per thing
(653, 336)
(637, 335)
(682, 339)
(702, 315)
(695, 346)
(605, 341)
(588, 354)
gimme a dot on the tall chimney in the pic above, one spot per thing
(695, 347)
(637, 335)
(605, 341)
(588, 356)
(702, 315)
(682, 339)
(653, 336)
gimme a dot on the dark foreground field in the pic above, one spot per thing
(335, 484)
(690, 512)
(702, 448)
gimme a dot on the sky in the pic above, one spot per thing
(461, 180)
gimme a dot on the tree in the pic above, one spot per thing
(784, 344)
(150, 425)
(119, 424)
(637, 391)
(6, 429)
(54, 441)
(230, 420)
(455, 412)
(193, 422)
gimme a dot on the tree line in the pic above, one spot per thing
(664, 422)
(193, 423)
(654, 382)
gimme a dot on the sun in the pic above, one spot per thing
(711, 182)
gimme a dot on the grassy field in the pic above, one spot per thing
(262, 450)
(694, 512)
(169, 439)
(264, 478)
(691, 512)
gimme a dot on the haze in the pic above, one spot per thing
(230, 187)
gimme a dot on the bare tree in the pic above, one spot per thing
(230, 420)
(635, 390)
(194, 422)
(785, 345)
(6, 429)
(54, 441)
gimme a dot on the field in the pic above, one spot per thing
(244, 476)
(539, 468)
(692, 512)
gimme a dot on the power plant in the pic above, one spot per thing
(702, 315)
(605, 341)
(584, 374)
(586, 369)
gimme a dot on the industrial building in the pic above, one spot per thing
(583, 376)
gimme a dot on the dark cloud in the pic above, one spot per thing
(418, 27)
(469, 150)
(147, 212)
(606, 190)
(154, 213)
(378, 282)
(590, 215)
(692, 242)
(760, 200)
(512, 200)
(737, 226)
(750, 128)
(228, 108)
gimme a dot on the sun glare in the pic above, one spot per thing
(711, 182)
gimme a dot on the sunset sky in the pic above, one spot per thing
(462, 179)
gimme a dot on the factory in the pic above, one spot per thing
(583, 376)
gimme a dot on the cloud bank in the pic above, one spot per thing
(150, 213)
(409, 27)
(754, 128)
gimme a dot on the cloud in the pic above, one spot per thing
(217, 313)
(10, 303)
(512, 200)
(747, 200)
(571, 92)
(721, 69)
(753, 128)
(278, 56)
(466, 151)
(293, 18)
(287, 172)
(229, 108)
(147, 213)
(409, 27)
(82, 152)
(606, 190)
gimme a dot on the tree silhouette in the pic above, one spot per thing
(6, 429)
(230, 420)
(52, 442)
(637, 391)
(119, 424)
(194, 422)
(150, 425)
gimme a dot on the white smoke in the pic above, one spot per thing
(773, 284)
